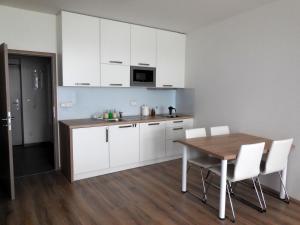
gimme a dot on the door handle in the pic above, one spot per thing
(126, 126)
(113, 61)
(106, 135)
(178, 128)
(153, 124)
(9, 118)
(115, 84)
(144, 64)
(84, 84)
(168, 85)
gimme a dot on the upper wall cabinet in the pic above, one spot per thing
(79, 46)
(170, 69)
(115, 42)
(143, 46)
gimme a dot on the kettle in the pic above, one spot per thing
(145, 111)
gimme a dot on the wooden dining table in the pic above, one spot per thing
(223, 147)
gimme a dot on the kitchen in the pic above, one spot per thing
(125, 94)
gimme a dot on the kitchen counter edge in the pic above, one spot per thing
(83, 123)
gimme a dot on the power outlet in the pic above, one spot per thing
(133, 103)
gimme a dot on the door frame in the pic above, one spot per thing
(52, 57)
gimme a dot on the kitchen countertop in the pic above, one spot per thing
(80, 123)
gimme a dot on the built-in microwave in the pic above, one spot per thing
(142, 76)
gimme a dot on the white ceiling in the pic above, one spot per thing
(177, 15)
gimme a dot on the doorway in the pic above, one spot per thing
(31, 109)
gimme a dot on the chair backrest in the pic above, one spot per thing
(248, 161)
(195, 133)
(278, 156)
(220, 130)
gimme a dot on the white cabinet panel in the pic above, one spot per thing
(90, 149)
(124, 144)
(80, 47)
(170, 69)
(115, 75)
(152, 140)
(143, 46)
(115, 42)
(176, 130)
(173, 148)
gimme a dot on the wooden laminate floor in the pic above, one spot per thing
(148, 195)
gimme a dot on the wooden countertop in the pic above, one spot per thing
(81, 123)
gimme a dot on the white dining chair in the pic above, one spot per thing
(202, 161)
(220, 130)
(247, 166)
(276, 162)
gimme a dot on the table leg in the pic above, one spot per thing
(283, 175)
(184, 169)
(222, 203)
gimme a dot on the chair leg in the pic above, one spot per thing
(203, 185)
(286, 194)
(262, 194)
(261, 206)
(230, 201)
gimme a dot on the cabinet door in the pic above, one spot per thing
(90, 149)
(143, 46)
(115, 42)
(152, 140)
(124, 144)
(80, 50)
(170, 70)
(115, 75)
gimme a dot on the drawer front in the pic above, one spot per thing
(174, 133)
(173, 148)
(176, 129)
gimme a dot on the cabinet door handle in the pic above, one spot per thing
(167, 85)
(178, 121)
(115, 84)
(84, 84)
(178, 128)
(143, 64)
(153, 124)
(126, 126)
(117, 62)
(106, 135)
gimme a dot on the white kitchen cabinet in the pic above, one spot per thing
(115, 75)
(152, 140)
(124, 144)
(143, 46)
(170, 69)
(90, 149)
(175, 130)
(80, 46)
(115, 42)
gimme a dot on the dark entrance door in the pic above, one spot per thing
(6, 153)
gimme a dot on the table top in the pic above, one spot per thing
(224, 147)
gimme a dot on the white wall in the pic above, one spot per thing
(246, 73)
(27, 30)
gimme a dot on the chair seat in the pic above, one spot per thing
(205, 161)
(230, 171)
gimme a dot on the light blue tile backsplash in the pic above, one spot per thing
(87, 101)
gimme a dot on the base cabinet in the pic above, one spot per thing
(90, 149)
(93, 151)
(176, 130)
(124, 144)
(152, 140)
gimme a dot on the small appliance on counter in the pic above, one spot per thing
(145, 111)
(171, 114)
